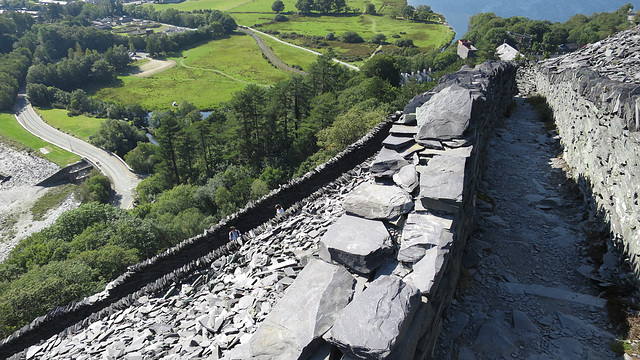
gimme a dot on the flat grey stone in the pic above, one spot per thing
(446, 115)
(407, 178)
(568, 348)
(523, 325)
(406, 153)
(442, 183)
(422, 231)
(360, 244)
(555, 293)
(428, 270)
(375, 201)
(460, 152)
(387, 163)
(403, 130)
(397, 142)
(464, 353)
(294, 327)
(376, 320)
(430, 144)
(494, 340)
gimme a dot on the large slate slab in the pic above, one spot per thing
(421, 232)
(375, 321)
(387, 163)
(294, 328)
(446, 115)
(360, 244)
(376, 201)
(442, 183)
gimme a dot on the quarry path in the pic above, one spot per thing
(524, 291)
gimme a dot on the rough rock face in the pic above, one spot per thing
(373, 323)
(293, 329)
(593, 93)
(360, 244)
(445, 116)
(375, 201)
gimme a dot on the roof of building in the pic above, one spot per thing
(507, 52)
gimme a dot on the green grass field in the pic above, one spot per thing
(250, 13)
(200, 80)
(81, 126)
(13, 132)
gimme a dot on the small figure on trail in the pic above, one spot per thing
(279, 209)
(234, 234)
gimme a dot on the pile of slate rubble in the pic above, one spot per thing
(364, 271)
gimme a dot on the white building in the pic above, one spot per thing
(506, 52)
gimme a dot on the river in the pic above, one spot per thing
(457, 12)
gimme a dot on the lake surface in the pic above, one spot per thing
(457, 12)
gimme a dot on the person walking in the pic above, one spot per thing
(234, 234)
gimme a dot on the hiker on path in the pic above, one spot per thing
(234, 234)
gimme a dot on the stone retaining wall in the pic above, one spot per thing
(595, 95)
(388, 268)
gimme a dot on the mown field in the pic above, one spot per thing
(81, 126)
(11, 129)
(206, 76)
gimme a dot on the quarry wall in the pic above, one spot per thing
(595, 97)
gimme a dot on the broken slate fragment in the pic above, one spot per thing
(387, 163)
(407, 178)
(428, 272)
(375, 321)
(294, 327)
(375, 201)
(422, 231)
(359, 244)
(397, 142)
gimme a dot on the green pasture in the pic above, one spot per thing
(426, 36)
(199, 76)
(81, 126)
(264, 6)
(12, 131)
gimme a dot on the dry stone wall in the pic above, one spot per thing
(398, 246)
(364, 268)
(595, 96)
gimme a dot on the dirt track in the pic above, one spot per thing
(154, 66)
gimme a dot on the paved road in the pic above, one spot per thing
(123, 179)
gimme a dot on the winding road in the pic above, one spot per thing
(123, 179)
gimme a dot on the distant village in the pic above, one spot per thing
(131, 26)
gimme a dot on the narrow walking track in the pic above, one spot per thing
(521, 294)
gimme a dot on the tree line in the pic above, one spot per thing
(487, 30)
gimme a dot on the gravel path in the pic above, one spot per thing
(19, 192)
(522, 294)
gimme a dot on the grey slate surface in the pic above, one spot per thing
(293, 329)
(375, 201)
(374, 322)
(360, 244)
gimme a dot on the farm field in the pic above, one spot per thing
(206, 76)
(81, 126)
(289, 54)
(258, 13)
(11, 129)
